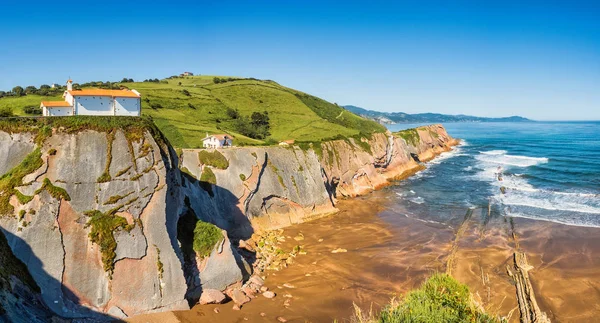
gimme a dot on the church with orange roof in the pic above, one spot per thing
(94, 102)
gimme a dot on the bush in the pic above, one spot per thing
(33, 110)
(186, 92)
(233, 113)
(206, 236)
(213, 158)
(440, 299)
(6, 112)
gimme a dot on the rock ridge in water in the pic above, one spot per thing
(101, 240)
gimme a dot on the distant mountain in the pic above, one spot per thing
(401, 117)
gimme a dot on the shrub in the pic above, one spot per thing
(213, 158)
(233, 113)
(440, 299)
(242, 177)
(6, 112)
(206, 236)
(185, 92)
(33, 110)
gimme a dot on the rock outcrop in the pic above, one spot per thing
(96, 221)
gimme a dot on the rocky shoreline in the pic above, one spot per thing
(100, 206)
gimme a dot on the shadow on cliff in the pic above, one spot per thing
(217, 205)
(38, 309)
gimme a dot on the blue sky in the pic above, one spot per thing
(539, 59)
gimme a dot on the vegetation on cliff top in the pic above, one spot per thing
(411, 136)
(184, 107)
(439, 299)
(213, 158)
(206, 236)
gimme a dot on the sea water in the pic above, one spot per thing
(541, 170)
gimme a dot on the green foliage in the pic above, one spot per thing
(103, 226)
(206, 236)
(6, 112)
(440, 299)
(54, 191)
(23, 199)
(14, 178)
(123, 171)
(21, 215)
(34, 110)
(116, 198)
(411, 136)
(242, 177)
(208, 176)
(292, 115)
(338, 115)
(105, 177)
(213, 158)
(52, 152)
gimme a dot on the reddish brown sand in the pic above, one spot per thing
(389, 254)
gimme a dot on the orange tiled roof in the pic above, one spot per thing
(102, 92)
(51, 104)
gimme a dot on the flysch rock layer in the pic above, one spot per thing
(262, 188)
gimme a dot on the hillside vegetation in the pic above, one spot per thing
(186, 108)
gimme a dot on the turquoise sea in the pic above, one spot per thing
(542, 170)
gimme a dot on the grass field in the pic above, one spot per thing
(185, 118)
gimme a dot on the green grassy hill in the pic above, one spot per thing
(186, 108)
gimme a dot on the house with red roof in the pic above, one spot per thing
(217, 141)
(94, 102)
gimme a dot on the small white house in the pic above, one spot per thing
(94, 102)
(217, 141)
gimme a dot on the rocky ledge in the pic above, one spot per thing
(100, 211)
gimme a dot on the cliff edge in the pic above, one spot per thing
(97, 208)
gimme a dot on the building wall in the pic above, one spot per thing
(68, 97)
(127, 106)
(58, 112)
(93, 106)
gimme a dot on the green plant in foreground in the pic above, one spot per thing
(206, 236)
(439, 299)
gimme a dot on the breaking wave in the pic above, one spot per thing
(516, 197)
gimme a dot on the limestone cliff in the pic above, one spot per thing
(98, 213)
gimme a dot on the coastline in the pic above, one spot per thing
(390, 260)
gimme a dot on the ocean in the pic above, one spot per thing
(544, 170)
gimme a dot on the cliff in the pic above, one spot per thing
(99, 211)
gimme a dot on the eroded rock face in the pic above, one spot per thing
(53, 238)
(140, 183)
(273, 187)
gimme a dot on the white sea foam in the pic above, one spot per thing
(417, 200)
(521, 199)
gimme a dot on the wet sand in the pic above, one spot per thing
(388, 254)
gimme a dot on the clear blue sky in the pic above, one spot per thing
(539, 59)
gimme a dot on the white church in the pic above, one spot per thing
(94, 102)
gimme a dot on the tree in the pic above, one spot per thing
(44, 87)
(30, 89)
(233, 113)
(124, 80)
(260, 119)
(18, 91)
(2, 94)
(216, 80)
